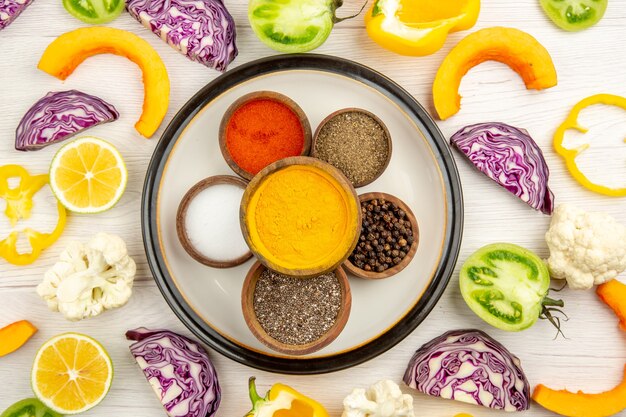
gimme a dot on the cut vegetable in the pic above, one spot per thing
(613, 293)
(574, 15)
(19, 202)
(511, 158)
(30, 407)
(580, 404)
(10, 10)
(469, 366)
(66, 52)
(59, 116)
(72, 373)
(203, 30)
(519, 50)
(418, 27)
(293, 25)
(179, 371)
(88, 175)
(506, 286)
(15, 335)
(570, 155)
(94, 11)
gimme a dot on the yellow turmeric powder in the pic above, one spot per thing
(300, 218)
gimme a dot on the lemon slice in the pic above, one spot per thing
(72, 373)
(88, 175)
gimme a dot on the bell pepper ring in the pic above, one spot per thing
(19, 204)
(283, 401)
(418, 27)
(570, 155)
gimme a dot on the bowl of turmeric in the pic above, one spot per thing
(300, 217)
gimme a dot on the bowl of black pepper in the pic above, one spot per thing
(388, 240)
(295, 315)
(356, 142)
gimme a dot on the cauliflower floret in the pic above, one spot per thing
(89, 278)
(586, 249)
(383, 399)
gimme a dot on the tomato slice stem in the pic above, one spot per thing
(338, 4)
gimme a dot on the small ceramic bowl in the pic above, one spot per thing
(181, 230)
(247, 305)
(260, 95)
(371, 115)
(353, 225)
(361, 273)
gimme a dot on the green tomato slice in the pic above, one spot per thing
(505, 285)
(94, 11)
(30, 407)
(573, 15)
(292, 25)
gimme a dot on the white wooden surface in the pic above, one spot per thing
(589, 62)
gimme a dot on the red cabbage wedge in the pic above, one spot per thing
(203, 30)
(469, 366)
(10, 10)
(510, 157)
(179, 371)
(59, 116)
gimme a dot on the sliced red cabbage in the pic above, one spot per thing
(10, 10)
(510, 157)
(469, 366)
(203, 30)
(179, 371)
(59, 116)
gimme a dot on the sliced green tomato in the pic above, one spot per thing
(505, 284)
(574, 15)
(94, 11)
(30, 407)
(292, 25)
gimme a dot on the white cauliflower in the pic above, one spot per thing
(89, 278)
(383, 399)
(586, 249)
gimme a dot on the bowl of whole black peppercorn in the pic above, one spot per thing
(389, 237)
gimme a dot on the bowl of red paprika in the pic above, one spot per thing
(261, 128)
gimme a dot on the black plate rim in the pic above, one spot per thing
(385, 341)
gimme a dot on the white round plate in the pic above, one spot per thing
(421, 173)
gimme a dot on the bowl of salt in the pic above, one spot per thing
(207, 222)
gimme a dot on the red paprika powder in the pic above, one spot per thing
(261, 132)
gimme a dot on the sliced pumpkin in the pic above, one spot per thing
(15, 335)
(519, 50)
(579, 404)
(69, 50)
(613, 293)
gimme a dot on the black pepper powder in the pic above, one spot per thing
(296, 311)
(356, 144)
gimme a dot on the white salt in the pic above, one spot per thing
(212, 223)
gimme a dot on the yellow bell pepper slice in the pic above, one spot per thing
(283, 401)
(570, 155)
(19, 204)
(418, 27)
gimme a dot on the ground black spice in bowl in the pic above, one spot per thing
(296, 311)
(356, 143)
(386, 236)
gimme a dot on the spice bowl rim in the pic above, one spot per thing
(350, 194)
(373, 116)
(249, 315)
(256, 95)
(371, 275)
(181, 214)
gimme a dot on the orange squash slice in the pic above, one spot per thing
(69, 50)
(519, 50)
(579, 404)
